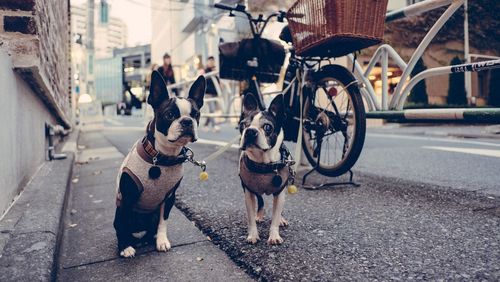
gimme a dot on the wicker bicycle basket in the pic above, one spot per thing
(333, 28)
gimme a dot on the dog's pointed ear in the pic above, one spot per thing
(197, 91)
(157, 91)
(277, 108)
(249, 103)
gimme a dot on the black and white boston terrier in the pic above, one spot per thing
(152, 171)
(262, 166)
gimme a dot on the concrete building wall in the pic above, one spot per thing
(34, 86)
(23, 115)
(168, 19)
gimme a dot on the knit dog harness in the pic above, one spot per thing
(138, 163)
(266, 178)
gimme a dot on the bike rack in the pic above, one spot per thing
(319, 139)
(328, 184)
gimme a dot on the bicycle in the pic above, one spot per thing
(325, 110)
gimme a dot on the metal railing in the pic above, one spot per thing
(226, 99)
(386, 52)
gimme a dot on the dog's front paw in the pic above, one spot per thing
(162, 244)
(253, 237)
(274, 239)
(128, 252)
(283, 222)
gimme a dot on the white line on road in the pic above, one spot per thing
(217, 143)
(127, 128)
(114, 122)
(482, 152)
(449, 140)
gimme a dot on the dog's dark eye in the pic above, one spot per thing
(170, 116)
(268, 128)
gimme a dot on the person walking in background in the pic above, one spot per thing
(211, 92)
(167, 72)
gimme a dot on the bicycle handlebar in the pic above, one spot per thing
(223, 7)
(253, 21)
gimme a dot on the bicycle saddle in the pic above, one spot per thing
(286, 35)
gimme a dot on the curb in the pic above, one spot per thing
(33, 224)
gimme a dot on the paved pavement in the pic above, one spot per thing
(88, 251)
(415, 215)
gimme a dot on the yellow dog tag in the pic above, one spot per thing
(203, 175)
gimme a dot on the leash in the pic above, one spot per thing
(222, 149)
(203, 164)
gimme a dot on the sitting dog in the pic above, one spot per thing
(152, 171)
(263, 169)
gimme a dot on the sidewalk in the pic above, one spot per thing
(88, 251)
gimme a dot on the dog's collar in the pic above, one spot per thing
(148, 152)
(264, 168)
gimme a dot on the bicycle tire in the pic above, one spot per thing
(344, 76)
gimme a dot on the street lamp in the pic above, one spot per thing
(84, 99)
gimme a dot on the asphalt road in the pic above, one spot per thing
(415, 215)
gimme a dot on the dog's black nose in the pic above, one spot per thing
(251, 134)
(186, 122)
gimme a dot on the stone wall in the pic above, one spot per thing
(36, 34)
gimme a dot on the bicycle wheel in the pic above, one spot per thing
(334, 124)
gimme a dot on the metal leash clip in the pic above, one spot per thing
(190, 158)
(189, 154)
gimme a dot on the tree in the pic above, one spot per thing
(494, 91)
(418, 94)
(456, 90)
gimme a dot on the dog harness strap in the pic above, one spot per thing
(262, 167)
(268, 167)
(276, 191)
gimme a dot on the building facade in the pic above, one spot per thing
(34, 85)
(108, 80)
(135, 69)
(108, 35)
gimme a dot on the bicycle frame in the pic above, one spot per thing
(386, 52)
